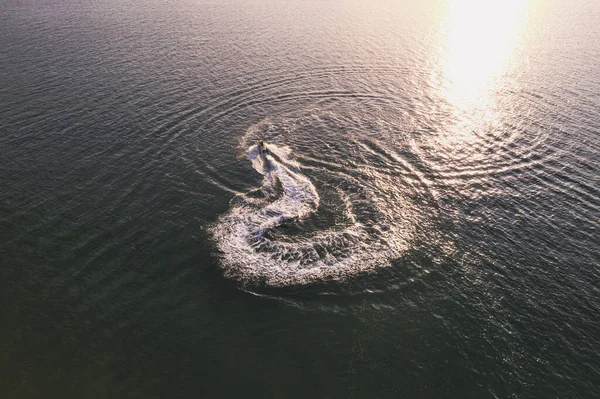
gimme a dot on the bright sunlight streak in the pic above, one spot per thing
(480, 36)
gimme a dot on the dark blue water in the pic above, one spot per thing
(424, 223)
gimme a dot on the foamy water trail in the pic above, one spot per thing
(251, 255)
(298, 198)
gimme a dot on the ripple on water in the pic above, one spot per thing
(318, 220)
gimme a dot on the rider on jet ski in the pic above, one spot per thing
(262, 148)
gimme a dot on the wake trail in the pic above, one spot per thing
(251, 255)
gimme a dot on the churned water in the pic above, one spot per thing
(423, 222)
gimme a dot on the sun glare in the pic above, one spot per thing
(479, 38)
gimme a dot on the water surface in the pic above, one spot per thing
(424, 225)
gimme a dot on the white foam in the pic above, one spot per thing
(250, 256)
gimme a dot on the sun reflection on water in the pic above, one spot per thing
(480, 38)
(479, 44)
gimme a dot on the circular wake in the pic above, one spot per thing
(295, 230)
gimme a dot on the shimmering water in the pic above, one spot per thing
(424, 224)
